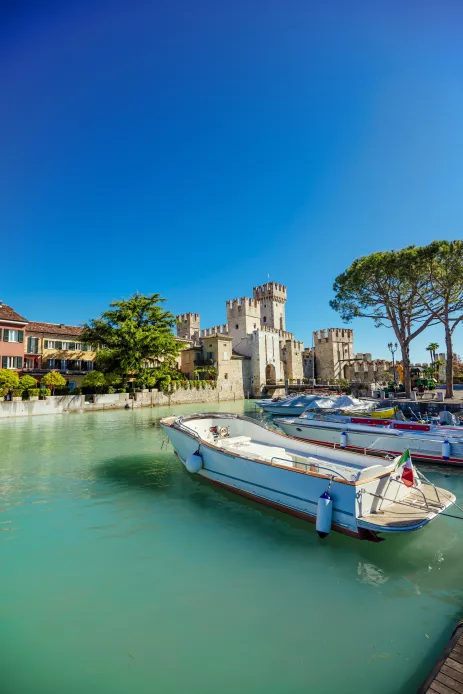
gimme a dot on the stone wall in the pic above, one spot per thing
(59, 404)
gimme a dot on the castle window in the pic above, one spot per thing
(255, 326)
(236, 326)
(225, 375)
(265, 319)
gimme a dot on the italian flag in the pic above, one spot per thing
(406, 467)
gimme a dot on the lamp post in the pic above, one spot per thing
(393, 350)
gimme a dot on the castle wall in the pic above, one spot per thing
(292, 359)
(272, 299)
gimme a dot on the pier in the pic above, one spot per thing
(447, 675)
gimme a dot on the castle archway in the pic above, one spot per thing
(270, 374)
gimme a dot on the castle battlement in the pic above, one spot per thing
(215, 330)
(295, 344)
(334, 335)
(271, 290)
(242, 302)
(187, 317)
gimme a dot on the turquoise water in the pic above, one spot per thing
(120, 573)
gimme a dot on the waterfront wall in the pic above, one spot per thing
(79, 403)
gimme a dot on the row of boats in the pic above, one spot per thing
(338, 467)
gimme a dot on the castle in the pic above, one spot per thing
(252, 349)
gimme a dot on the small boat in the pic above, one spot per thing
(351, 493)
(296, 405)
(427, 442)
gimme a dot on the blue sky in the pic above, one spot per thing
(192, 149)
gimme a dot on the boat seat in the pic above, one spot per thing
(232, 440)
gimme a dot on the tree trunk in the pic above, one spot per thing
(448, 362)
(406, 366)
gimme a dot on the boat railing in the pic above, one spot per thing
(334, 473)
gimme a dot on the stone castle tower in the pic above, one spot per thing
(272, 299)
(188, 327)
(243, 317)
(334, 352)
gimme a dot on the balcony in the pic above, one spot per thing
(204, 362)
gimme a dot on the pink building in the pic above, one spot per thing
(12, 327)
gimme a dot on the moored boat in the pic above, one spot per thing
(352, 493)
(427, 442)
(296, 405)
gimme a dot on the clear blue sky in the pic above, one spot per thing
(191, 148)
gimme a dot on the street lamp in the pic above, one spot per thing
(393, 350)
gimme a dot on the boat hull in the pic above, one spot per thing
(372, 440)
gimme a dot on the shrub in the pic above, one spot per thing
(94, 379)
(61, 390)
(2, 392)
(8, 379)
(203, 384)
(27, 382)
(53, 380)
(77, 391)
(33, 392)
(121, 390)
(45, 392)
(17, 392)
(111, 390)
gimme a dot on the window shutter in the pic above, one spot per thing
(59, 345)
(20, 335)
(6, 335)
(19, 362)
(45, 344)
(0, 333)
(4, 362)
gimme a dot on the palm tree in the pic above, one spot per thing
(432, 349)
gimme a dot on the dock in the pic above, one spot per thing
(447, 675)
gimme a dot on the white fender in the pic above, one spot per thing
(446, 450)
(343, 439)
(324, 514)
(194, 462)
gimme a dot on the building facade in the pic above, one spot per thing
(12, 336)
(57, 347)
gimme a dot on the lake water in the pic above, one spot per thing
(121, 573)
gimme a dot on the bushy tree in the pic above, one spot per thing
(52, 380)
(26, 382)
(132, 333)
(441, 265)
(8, 379)
(386, 288)
(94, 379)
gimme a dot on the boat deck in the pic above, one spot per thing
(400, 515)
(447, 675)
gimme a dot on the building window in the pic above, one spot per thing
(59, 344)
(255, 326)
(209, 355)
(225, 376)
(32, 345)
(265, 319)
(12, 362)
(13, 335)
(225, 356)
(236, 326)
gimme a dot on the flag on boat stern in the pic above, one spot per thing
(406, 467)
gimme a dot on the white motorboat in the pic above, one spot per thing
(427, 442)
(352, 493)
(296, 405)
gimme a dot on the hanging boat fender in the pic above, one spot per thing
(324, 514)
(343, 439)
(194, 462)
(446, 450)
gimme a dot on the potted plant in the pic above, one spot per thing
(34, 394)
(17, 394)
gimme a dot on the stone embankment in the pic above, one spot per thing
(59, 404)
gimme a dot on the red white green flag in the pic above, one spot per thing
(406, 467)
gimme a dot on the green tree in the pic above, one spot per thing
(26, 382)
(382, 287)
(9, 379)
(442, 267)
(53, 380)
(133, 333)
(432, 349)
(94, 379)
